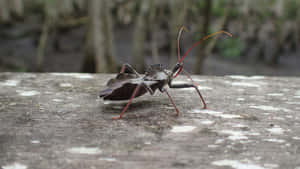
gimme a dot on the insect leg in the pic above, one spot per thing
(126, 107)
(165, 91)
(148, 88)
(188, 86)
(126, 68)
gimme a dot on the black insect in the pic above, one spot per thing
(129, 84)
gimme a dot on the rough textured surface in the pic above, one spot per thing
(56, 121)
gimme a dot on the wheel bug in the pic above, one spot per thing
(129, 84)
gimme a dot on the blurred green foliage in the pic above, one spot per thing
(292, 8)
(231, 48)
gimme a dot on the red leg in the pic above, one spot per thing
(128, 69)
(195, 86)
(202, 99)
(123, 69)
(126, 107)
(164, 90)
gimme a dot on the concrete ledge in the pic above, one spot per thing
(56, 121)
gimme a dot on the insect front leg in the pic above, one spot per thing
(172, 101)
(186, 85)
(127, 68)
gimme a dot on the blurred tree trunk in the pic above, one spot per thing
(277, 19)
(17, 7)
(178, 14)
(99, 53)
(95, 55)
(81, 4)
(50, 14)
(4, 11)
(223, 24)
(140, 34)
(203, 28)
(65, 7)
(298, 32)
(154, 30)
(108, 35)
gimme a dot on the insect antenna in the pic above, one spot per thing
(203, 39)
(178, 40)
(180, 60)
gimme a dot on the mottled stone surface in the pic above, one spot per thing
(56, 121)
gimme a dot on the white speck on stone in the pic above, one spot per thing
(229, 116)
(57, 100)
(10, 83)
(85, 150)
(246, 77)
(239, 125)
(35, 141)
(267, 108)
(15, 166)
(285, 90)
(270, 108)
(148, 143)
(275, 94)
(236, 164)
(215, 113)
(205, 111)
(268, 165)
(274, 140)
(108, 159)
(219, 141)
(75, 75)
(28, 93)
(296, 138)
(234, 135)
(65, 85)
(298, 103)
(276, 130)
(212, 146)
(207, 122)
(182, 129)
(240, 99)
(245, 84)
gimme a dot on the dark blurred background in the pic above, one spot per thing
(101, 35)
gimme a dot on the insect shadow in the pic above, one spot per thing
(113, 107)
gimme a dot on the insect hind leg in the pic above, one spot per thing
(129, 102)
(127, 68)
